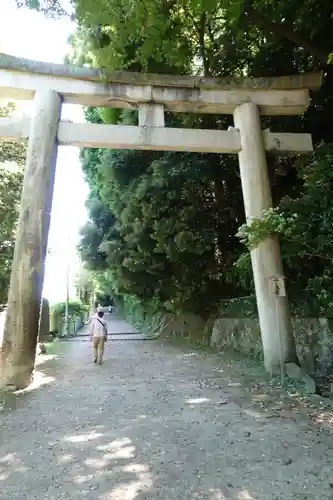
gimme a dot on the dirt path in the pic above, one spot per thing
(145, 426)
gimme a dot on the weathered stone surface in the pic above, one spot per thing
(147, 137)
(189, 326)
(46, 337)
(314, 340)
(27, 275)
(241, 334)
(44, 326)
(293, 371)
(310, 384)
(309, 80)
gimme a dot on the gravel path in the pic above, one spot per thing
(145, 426)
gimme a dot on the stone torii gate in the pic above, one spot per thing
(50, 85)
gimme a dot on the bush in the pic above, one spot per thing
(75, 310)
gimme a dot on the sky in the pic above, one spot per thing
(46, 40)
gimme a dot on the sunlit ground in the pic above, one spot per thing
(152, 422)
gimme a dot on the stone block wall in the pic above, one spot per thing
(314, 340)
(314, 336)
(187, 326)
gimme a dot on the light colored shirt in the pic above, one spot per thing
(96, 327)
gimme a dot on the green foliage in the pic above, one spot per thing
(75, 308)
(12, 156)
(185, 29)
(51, 8)
(85, 285)
(11, 151)
(163, 242)
(272, 222)
(305, 227)
(242, 307)
(163, 225)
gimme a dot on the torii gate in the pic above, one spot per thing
(49, 85)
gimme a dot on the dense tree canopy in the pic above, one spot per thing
(159, 28)
(163, 225)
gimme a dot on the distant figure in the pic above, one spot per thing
(110, 309)
(98, 336)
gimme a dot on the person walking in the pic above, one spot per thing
(98, 335)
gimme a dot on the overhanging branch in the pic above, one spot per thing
(283, 31)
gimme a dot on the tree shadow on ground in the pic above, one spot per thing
(142, 427)
(47, 368)
(96, 464)
(263, 394)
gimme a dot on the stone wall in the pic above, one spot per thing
(187, 326)
(314, 337)
(314, 340)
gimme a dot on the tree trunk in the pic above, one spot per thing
(24, 301)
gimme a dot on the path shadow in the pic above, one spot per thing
(141, 427)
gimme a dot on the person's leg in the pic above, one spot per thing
(101, 350)
(95, 343)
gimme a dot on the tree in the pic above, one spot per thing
(156, 246)
(85, 285)
(12, 157)
(149, 237)
(304, 225)
(135, 268)
(288, 21)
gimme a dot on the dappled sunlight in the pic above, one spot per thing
(245, 495)
(80, 480)
(255, 414)
(123, 452)
(323, 418)
(65, 459)
(121, 434)
(10, 459)
(97, 463)
(83, 438)
(43, 358)
(217, 495)
(140, 468)
(114, 445)
(13, 462)
(131, 489)
(196, 401)
(39, 379)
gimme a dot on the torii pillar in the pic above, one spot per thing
(274, 316)
(27, 278)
